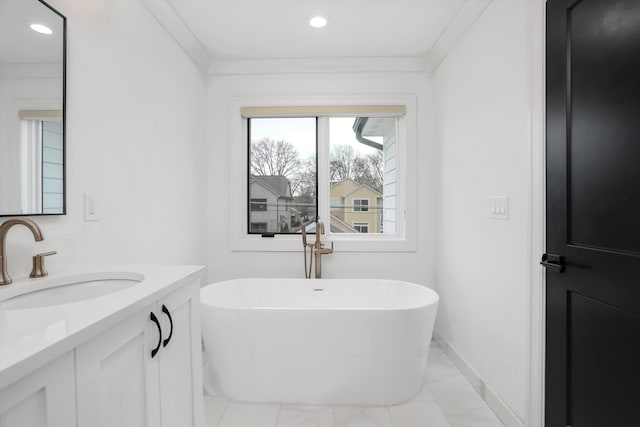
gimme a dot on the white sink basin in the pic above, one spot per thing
(71, 291)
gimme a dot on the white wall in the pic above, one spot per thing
(135, 135)
(482, 106)
(223, 263)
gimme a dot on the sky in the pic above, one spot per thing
(301, 133)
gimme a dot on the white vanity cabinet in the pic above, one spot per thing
(119, 381)
(44, 398)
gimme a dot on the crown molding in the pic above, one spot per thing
(461, 22)
(318, 65)
(169, 19)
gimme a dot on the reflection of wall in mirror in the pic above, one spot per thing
(18, 94)
(31, 78)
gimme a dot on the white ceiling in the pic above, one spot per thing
(270, 29)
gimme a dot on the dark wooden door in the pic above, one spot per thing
(593, 213)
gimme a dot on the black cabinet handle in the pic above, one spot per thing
(165, 310)
(154, 319)
(553, 262)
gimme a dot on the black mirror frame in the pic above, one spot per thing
(64, 120)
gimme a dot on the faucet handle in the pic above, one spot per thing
(329, 251)
(324, 250)
(38, 269)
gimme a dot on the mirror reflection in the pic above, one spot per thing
(32, 142)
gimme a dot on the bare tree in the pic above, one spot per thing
(369, 170)
(341, 163)
(346, 163)
(271, 158)
(303, 188)
(304, 183)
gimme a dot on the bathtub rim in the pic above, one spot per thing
(433, 296)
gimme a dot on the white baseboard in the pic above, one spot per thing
(498, 406)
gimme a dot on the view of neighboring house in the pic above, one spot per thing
(355, 208)
(270, 208)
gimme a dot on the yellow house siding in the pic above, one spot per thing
(348, 191)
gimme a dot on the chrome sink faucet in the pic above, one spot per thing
(317, 249)
(37, 235)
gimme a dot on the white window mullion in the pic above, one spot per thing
(323, 170)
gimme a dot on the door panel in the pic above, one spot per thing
(593, 212)
(181, 359)
(609, 333)
(117, 380)
(604, 126)
(44, 398)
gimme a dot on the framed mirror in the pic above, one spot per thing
(32, 109)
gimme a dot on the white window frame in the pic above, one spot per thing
(405, 238)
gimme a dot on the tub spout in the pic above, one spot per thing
(317, 248)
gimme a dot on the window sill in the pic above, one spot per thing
(283, 243)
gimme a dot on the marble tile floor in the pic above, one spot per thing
(447, 400)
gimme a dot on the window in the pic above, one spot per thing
(360, 205)
(258, 205)
(282, 172)
(258, 227)
(361, 227)
(333, 156)
(283, 153)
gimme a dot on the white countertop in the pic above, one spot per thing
(29, 338)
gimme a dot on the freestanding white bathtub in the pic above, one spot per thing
(324, 342)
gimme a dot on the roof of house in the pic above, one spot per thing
(277, 184)
(356, 188)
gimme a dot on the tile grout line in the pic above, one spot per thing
(221, 416)
(393, 424)
(278, 415)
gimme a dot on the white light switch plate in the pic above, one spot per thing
(499, 207)
(90, 208)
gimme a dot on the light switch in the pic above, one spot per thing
(499, 207)
(90, 208)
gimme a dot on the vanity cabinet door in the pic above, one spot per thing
(44, 398)
(181, 358)
(117, 379)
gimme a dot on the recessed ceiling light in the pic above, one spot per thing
(318, 21)
(39, 28)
